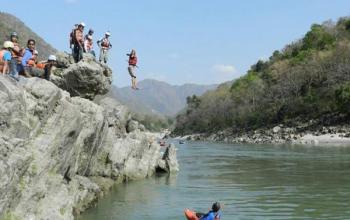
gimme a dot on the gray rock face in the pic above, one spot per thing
(85, 79)
(59, 153)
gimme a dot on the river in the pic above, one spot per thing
(252, 181)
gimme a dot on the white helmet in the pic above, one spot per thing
(52, 58)
(108, 33)
(8, 44)
(82, 24)
(35, 52)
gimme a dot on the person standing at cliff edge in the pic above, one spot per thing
(131, 68)
(78, 42)
(105, 45)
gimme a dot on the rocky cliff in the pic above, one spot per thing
(60, 152)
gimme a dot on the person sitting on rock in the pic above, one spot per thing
(27, 62)
(105, 46)
(32, 62)
(51, 62)
(5, 57)
(16, 56)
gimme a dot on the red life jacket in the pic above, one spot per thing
(133, 61)
(105, 43)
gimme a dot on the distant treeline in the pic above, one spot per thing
(308, 79)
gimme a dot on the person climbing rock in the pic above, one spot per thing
(105, 46)
(213, 214)
(131, 68)
(5, 57)
(16, 56)
(78, 42)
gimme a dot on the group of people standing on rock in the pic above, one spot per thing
(80, 44)
(15, 60)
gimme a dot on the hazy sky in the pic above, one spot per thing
(181, 41)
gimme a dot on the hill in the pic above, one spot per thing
(156, 97)
(9, 24)
(307, 81)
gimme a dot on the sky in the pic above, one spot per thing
(180, 41)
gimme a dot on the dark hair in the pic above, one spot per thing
(30, 40)
(216, 207)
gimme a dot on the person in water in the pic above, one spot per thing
(213, 214)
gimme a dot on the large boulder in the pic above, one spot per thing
(59, 153)
(87, 78)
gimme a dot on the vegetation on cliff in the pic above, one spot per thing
(308, 79)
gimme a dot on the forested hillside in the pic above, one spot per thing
(308, 79)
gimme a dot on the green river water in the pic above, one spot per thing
(252, 181)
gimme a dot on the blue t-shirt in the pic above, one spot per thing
(26, 57)
(7, 56)
(210, 216)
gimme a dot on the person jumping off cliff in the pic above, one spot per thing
(105, 46)
(131, 68)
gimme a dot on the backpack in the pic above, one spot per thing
(72, 37)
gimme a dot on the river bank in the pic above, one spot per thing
(308, 133)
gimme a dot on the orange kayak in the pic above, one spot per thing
(190, 215)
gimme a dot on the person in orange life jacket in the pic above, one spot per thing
(32, 62)
(105, 45)
(213, 214)
(5, 57)
(131, 68)
(88, 45)
(28, 55)
(16, 56)
(78, 43)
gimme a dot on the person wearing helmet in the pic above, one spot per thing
(78, 42)
(213, 214)
(16, 56)
(88, 45)
(105, 45)
(5, 57)
(51, 61)
(90, 33)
